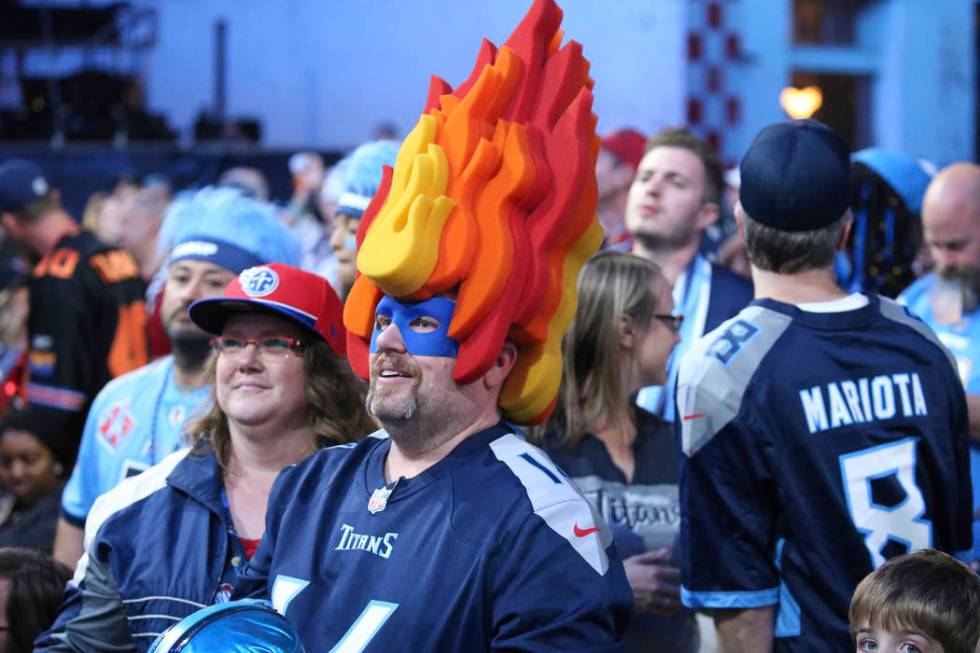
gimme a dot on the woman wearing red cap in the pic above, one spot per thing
(174, 539)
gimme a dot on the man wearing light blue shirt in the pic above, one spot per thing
(674, 197)
(946, 299)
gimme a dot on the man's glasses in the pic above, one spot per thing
(270, 347)
(672, 321)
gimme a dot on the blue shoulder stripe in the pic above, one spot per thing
(727, 600)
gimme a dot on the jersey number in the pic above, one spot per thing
(901, 523)
(129, 344)
(361, 632)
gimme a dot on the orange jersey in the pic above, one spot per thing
(87, 324)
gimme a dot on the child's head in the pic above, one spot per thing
(925, 601)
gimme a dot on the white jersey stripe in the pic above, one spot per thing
(556, 500)
(128, 492)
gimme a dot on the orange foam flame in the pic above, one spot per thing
(517, 140)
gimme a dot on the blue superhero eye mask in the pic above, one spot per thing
(404, 314)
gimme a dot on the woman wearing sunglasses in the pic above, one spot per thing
(623, 458)
(172, 540)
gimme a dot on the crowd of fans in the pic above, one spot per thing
(167, 354)
(664, 200)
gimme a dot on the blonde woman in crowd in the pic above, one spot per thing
(621, 456)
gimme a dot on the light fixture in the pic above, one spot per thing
(801, 103)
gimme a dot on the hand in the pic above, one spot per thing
(655, 582)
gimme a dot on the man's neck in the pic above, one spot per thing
(672, 260)
(190, 355)
(189, 378)
(146, 257)
(806, 287)
(415, 448)
(54, 226)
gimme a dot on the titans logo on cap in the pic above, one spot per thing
(258, 282)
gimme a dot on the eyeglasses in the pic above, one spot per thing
(672, 321)
(270, 347)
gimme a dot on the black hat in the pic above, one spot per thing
(796, 176)
(45, 428)
(21, 182)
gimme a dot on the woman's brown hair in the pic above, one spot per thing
(334, 395)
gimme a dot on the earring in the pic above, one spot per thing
(59, 469)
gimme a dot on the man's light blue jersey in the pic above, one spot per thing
(963, 342)
(135, 422)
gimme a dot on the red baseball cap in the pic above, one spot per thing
(627, 145)
(281, 290)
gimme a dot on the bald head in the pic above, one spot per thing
(951, 219)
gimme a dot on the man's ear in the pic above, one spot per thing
(10, 223)
(739, 221)
(501, 367)
(707, 215)
(845, 233)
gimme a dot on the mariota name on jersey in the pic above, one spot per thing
(379, 545)
(842, 403)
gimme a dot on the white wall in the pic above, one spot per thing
(324, 74)
(764, 28)
(928, 97)
(919, 55)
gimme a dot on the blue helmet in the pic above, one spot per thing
(246, 626)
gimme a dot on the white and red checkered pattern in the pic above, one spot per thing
(713, 107)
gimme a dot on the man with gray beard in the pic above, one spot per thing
(414, 396)
(946, 299)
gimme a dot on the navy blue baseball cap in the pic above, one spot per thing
(796, 176)
(21, 182)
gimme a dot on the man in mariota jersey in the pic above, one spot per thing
(823, 433)
(447, 531)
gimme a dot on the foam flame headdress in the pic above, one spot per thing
(492, 198)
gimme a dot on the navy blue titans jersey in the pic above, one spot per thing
(491, 548)
(816, 446)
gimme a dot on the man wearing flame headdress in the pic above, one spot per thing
(447, 531)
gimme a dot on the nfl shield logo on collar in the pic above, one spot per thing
(379, 500)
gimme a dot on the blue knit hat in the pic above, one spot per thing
(362, 175)
(222, 226)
